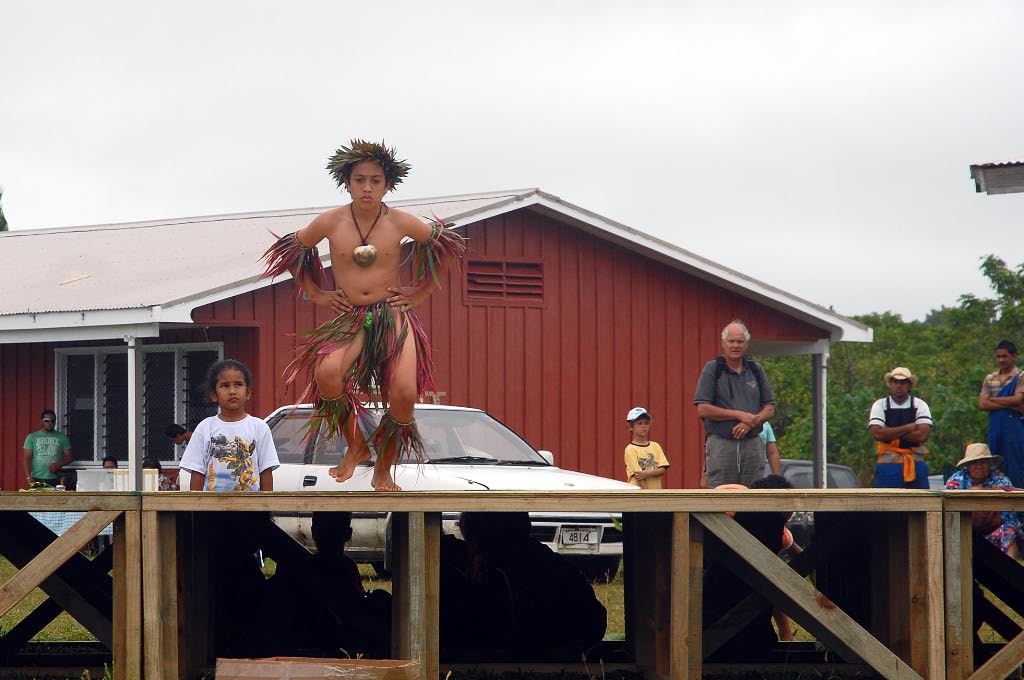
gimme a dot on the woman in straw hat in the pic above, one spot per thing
(978, 471)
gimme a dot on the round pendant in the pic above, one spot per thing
(364, 255)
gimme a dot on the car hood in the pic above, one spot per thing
(449, 477)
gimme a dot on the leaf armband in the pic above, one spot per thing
(440, 250)
(288, 252)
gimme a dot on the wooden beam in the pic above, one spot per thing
(841, 535)
(959, 619)
(686, 599)
(935, 597)
(127, 597)
(54, 555)
(662, 588)
(763, 570)
(415, 589)
(160, 596)
(643, 532)
(430, 560)
(1004, 662)
(666, 500)
(79, 586)
(914, 598)
(1002, 575)
(16, 638)
(152, 581)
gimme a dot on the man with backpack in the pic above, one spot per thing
(734, 398)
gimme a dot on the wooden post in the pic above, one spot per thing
(687, 559)
(646, 634)
(160, 595)
(959, 603)
(934, 597)
(916, 594)
(128, 596)
(415, 589)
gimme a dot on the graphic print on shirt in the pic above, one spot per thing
(646, 461)
(233, 460)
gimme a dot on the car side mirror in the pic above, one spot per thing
(548, 457)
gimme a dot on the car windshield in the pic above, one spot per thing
(449, 437)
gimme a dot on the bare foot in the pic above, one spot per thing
(382, 479)
(347, 467)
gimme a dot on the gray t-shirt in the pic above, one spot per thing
(738, 391)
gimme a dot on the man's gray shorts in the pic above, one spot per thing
(734, 461)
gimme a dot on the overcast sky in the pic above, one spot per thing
(821, 147)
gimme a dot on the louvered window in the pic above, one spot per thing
(505, 281)
(92, 397)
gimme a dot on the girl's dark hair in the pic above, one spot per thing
(215, 370)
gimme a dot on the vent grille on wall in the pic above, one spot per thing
(505, 281)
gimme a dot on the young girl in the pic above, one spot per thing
(231, 451)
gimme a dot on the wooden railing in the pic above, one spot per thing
(887, 584)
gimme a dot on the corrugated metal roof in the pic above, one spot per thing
(166, 268)
(145, 264)
(999, 177)
(997, 164)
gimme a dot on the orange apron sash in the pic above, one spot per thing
(892, 448)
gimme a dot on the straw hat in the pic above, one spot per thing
(901, 373)
(976, 452)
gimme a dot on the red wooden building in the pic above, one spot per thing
(114, 327)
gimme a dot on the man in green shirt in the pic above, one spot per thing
(46, 451)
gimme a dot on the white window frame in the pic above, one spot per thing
(98, 353)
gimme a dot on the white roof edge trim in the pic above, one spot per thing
(788, 347)
(80, 319)
(491, 210)
(79, 334)
(841, 328)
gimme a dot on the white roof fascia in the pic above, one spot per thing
(840, 327)
(79, 326)
(80, 319)
(494, 209)
(786, 347)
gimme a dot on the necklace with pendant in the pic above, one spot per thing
(366, 254)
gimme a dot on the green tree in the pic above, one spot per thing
(950, 352)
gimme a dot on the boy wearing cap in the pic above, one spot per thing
(901, 424)
(645, 461)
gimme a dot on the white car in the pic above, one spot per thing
(466, 449)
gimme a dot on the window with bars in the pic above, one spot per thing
(505, 281)
(92, 391)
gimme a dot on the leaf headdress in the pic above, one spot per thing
(346, 158)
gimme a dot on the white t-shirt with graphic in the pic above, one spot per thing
(231, 455)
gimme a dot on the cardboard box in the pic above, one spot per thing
(299, 668)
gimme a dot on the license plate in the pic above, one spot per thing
(579, 539)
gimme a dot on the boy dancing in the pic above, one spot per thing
(376, 342)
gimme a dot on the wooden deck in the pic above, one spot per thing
(893, 585)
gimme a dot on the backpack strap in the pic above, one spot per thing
(755, 368)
